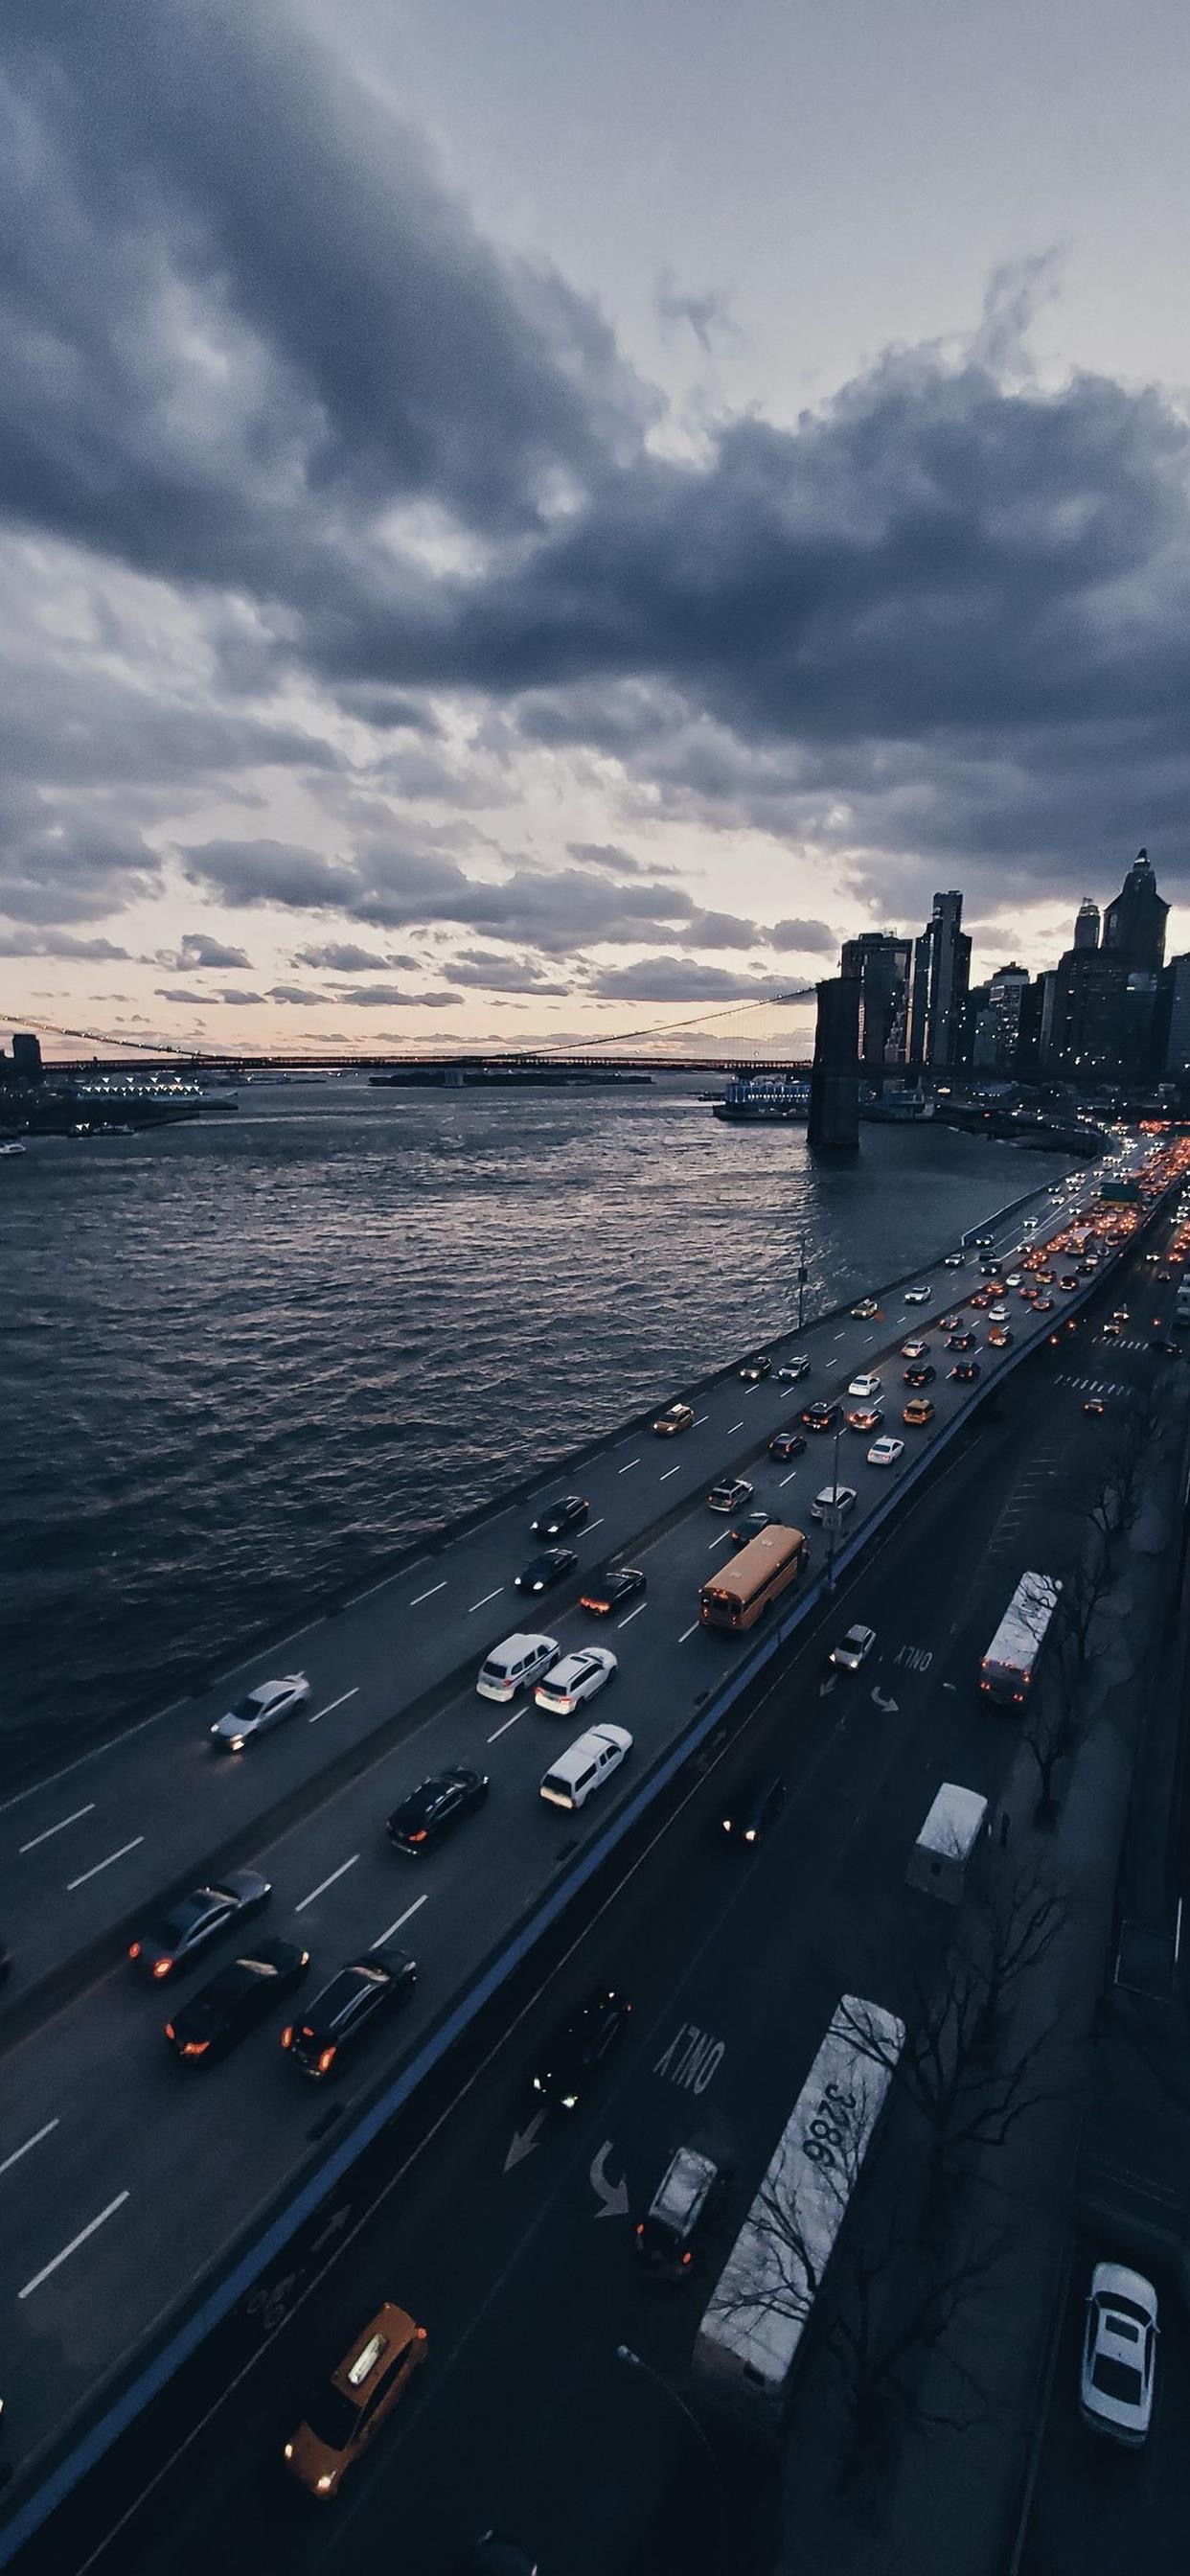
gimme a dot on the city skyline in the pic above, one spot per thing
(654, 616)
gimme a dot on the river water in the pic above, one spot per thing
(241, 1362)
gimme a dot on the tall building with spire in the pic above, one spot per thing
(941, 977)
(1134, 927)
(1086, 928)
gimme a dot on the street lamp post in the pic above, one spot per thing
(833, 1522)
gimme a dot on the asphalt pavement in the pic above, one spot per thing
(510, 2239)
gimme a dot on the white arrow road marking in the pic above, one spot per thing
(523, 2142)
(827, 1685)
(613, 2195)
(889, 1706)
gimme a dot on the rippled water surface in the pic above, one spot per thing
(241, 1362)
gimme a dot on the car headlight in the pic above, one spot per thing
(537, 2084)
(289, 2450)
(570, 2101)
(750, 1834)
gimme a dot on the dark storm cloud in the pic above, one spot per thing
(491, 972)
(251, 345)
(58, 874)
(171, 172)
(612, 861)
(813, 938)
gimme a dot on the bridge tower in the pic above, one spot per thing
(834, 1081)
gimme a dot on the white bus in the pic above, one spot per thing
(1011, 1660)
(763, 2300)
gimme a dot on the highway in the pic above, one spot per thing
(510, 2237)
(155, 1807)
(123, 2174)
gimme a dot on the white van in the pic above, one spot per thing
(516, 1664)
(938, 1860)
(589, 1760)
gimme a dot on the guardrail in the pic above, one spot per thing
(242, 2276)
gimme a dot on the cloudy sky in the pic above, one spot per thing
(518, 520)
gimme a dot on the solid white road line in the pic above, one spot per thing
(509, 1721)
(620, 1623)
(134, 1845)
(34, 2141)
(401, 1918)
(333, 1704)
(670, 1471)
(488, 1596)
(59, 1828)
(687, 1632)
(72, 2248)
(419, 1597)
(341, 1872)
(626, 1471)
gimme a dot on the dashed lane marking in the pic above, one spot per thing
(416, 1603)
(50, 1831)
(669, 1471)
(735, 1426)
(34, 2141)
(488, 1596)
(401, 1919)
(687, 1632)
(333, 1704)
(72, 2248)
(626, 1622)
(626, 1471)
(72, 1883)
(320, 1890)
(503, 1730)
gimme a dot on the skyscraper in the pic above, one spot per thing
(1134, 928)
(1086, 928)
(882, 962)
(941, 976)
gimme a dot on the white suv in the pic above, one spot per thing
(576, 1678)
(585, 1764)
(516, 1665)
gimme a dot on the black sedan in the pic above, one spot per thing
(573, 2054)
(921, 1373)
(965, 1372)
(553, 1521)
(429, 1812)
(750, 1526)
(822, 1416)
(542, 1572)
(752, 1808)
(753, 1370)
(787, 1444)
(365, 1993)
(609, 1591)
(183, 1932)
(237, 2000)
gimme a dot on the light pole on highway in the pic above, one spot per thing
(833, 1511)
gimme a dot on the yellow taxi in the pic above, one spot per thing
(368, 2383)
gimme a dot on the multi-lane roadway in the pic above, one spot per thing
(123, 2174)
(511, 2237)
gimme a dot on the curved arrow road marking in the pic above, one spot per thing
(889, 1706)
(613, 2195)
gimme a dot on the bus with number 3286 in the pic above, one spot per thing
(764, 2298)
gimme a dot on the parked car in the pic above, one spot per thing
(1119, 2356)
